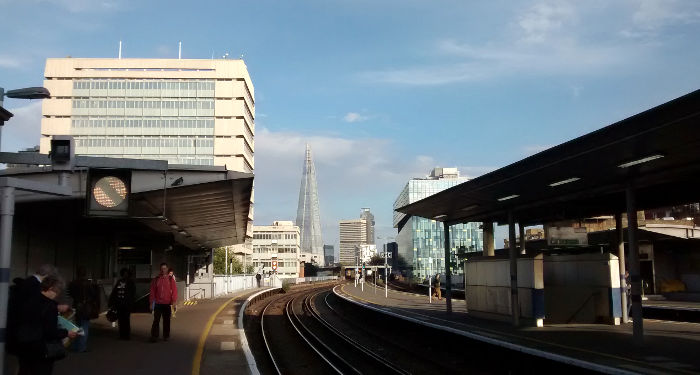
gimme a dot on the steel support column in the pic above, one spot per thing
(522, 238)
(620, 242)
(7, 210)
(448, 271)
(488, 238)
(636, 281)
(515, 308)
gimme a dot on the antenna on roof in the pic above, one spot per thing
(179, 50)
(120, 49)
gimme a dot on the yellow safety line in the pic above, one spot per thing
(197, 361)
(625, 359)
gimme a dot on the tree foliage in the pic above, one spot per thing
(220, 263)
(376, 260)
(310, 270)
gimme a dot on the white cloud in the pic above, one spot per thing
(80, 6)
(547, 39)
(24, 129)
(351, 174)
(10, 62)
(534, 149)
(654, 14)
(544, 18)
(354, 117)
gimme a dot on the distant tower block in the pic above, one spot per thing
(308, 215)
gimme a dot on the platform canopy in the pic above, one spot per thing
(656, 151)
(201, 206)
(212, 210)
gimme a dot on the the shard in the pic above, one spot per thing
(308, 215)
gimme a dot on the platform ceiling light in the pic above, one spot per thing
(641, 161)
(470, 207)
(562, 182)
(508, 197)
(438, 217)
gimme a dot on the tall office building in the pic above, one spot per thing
(353, 234)
(328, 254)
(369, 218)
(308, 213)
(420, 240)
(199, 112)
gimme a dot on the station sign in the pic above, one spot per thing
(567, 236)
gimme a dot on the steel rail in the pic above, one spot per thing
(292, 316)
(354, 343)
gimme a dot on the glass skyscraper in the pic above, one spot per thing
(308, 212)
(420, 240)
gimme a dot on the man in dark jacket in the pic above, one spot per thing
(122, 300)
(24, 291)
(39, 327)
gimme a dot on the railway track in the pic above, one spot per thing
(298, 339)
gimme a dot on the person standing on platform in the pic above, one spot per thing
(437, 292)
(39, 340)
(86, 303)
(163, 295)
(257, 278)
(22, 292)
(122, 301)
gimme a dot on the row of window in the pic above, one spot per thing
(110, 84)
(146, 104)
(274, 236)
(170, 158)
(161, 141)
(169, 123)
(272, 250)
(280, 264)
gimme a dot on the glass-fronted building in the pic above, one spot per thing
(421, 241)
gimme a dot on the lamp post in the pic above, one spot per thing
(25, 93)
(7, 207)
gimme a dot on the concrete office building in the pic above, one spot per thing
(328, 255)
(369, 218)
(420, 240)
(199, 112)
(281, 241)
(353, 233)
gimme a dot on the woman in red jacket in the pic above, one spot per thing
(163, 295)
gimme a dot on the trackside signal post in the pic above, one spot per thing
(386, 274)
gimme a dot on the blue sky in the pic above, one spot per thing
(384, 90)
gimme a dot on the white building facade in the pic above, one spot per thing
(199, 112)
(279, 241)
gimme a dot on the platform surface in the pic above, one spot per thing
(669, 347)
